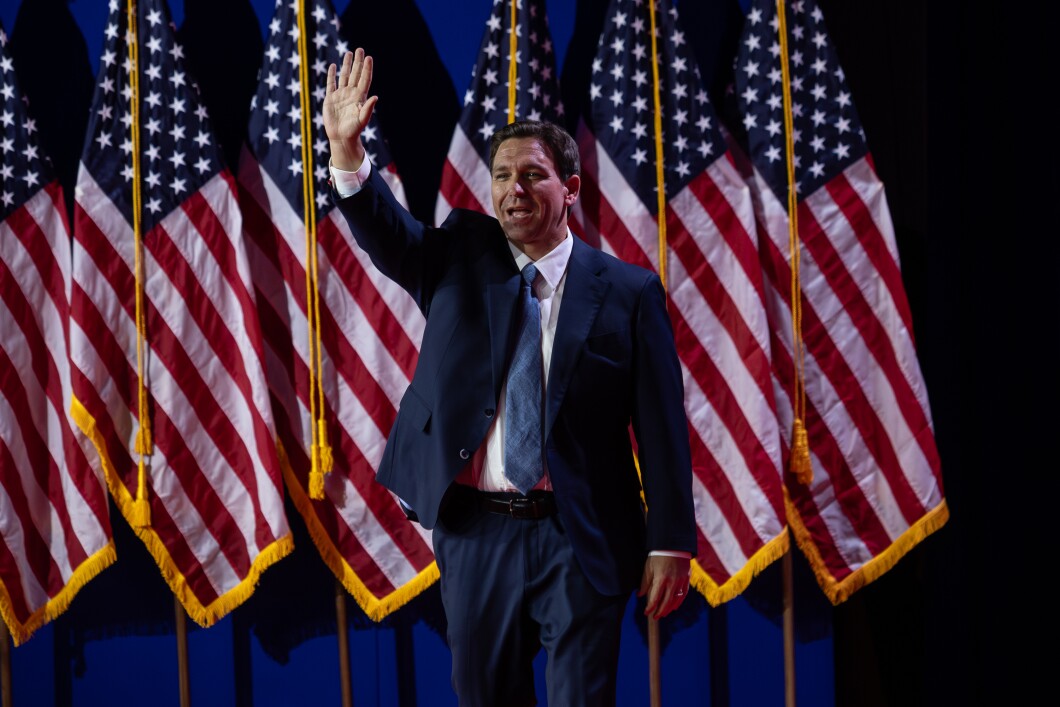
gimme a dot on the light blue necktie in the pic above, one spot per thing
(523, 464)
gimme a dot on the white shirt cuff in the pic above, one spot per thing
(349, 183)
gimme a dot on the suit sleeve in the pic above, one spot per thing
(403, 248)
(661, 427)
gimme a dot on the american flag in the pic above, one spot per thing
(877, 488)
(491, 102)
(712, 275)
(56, 533)
(214, 488)
(369, 327)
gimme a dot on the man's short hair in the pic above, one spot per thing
(563, 148)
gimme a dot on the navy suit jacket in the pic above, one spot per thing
(614, 365)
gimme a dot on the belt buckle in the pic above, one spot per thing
(521, 508)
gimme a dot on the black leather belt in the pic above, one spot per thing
(539, 504)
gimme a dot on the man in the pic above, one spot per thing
(553, 564)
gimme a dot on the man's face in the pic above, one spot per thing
(529, 198)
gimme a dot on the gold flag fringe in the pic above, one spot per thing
(203, 615)
(375, 608)
(839, 591)
(23, 631)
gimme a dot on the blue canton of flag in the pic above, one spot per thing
(623, 105)
(23, 168)
(275, 128)
(465, 179)
(536, 84)
(827, 134)
(178, 154)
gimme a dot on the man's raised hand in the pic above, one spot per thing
(348, 108)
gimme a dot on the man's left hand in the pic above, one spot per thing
(665, 582)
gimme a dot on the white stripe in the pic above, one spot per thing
(170, 397)
(716, 530)
(832, 407)
(472, 170)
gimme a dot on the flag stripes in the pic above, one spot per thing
(876, 489)
(368, 330)
(55, 532)
(213, 479)
(714, 283)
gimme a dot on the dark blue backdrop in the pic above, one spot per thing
(951, 101)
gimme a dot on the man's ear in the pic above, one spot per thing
(573, 185)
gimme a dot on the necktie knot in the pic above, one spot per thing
(529, 274)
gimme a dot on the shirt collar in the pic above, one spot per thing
(550, 266)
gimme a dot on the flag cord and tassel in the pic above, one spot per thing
(513, 69)
(660, 175)
(654, 648)
(321, 457)
(799, 462)
(140, 514)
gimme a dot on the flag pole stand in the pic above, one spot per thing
(5, 665)
(789, 631)
(183, 676)
(654, 681)
(344, 644)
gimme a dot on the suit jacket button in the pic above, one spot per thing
(489, 412)
(464, 454)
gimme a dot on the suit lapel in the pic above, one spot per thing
(583, 294)
(501, 296)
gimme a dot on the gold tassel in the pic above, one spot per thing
(327, 459)
(799, 463)
(316, 476)
(144, 445)
(141, 514)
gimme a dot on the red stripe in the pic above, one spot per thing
(717, 390)
(347, 455)
(38, 244)
(226, 346)
(741, 243)
(709, 284)
(42, 466)
(348, 269)
(704, 371)
(598, 210)
(213, 511)
(455, 191)
(873, 333)
(846, 491)
(864, 227)
(11, 569)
